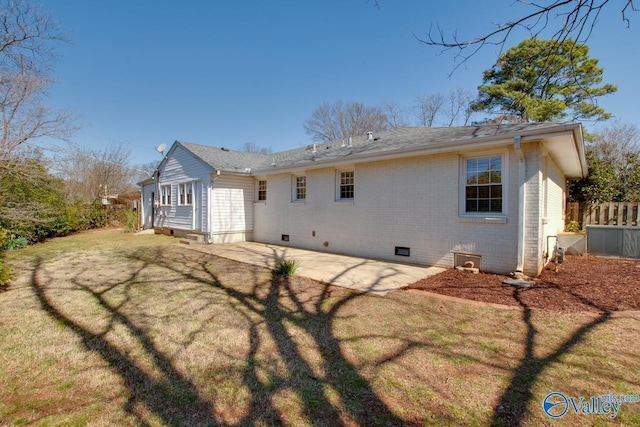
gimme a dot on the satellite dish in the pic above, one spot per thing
(160, 148)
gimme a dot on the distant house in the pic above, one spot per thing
(433, 196)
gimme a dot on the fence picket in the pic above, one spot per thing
(613, 213)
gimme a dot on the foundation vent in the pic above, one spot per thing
(402, 251)
(460, 259)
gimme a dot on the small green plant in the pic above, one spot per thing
(573, 227)
(286, 267)
(12, 242)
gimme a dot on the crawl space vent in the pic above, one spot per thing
(459, 259)
(403, 251)
(285, 237)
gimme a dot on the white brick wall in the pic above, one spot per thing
(411, 202)
(555, 203)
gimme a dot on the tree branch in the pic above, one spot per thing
(577, 19)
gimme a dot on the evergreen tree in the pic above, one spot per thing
(544, 80)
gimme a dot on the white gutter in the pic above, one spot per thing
(522, 177)
(212, 177)
(487, 142)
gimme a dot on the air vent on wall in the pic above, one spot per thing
(285, 237)
(403, 251)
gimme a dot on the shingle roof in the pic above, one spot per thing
(406, 138)
(225, 159)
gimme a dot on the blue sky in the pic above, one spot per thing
(145, 72)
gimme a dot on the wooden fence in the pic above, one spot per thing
(618, 214)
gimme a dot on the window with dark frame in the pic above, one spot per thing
(301, 187)
(347, 185)
(483, 185)
(262, 190)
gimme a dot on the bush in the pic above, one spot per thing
(573, 227)
(285, 268)
(131, 223)
(5, 272)
(12, 242)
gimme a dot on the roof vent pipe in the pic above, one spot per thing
(314, 148)
(349, 142)
(370, 136)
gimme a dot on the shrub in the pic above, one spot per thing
(286, 267)
(131, 222)
(573, 227)
(5, 272)
(12, 242)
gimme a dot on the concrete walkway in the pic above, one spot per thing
(377, 277)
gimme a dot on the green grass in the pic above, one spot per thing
(107, 328)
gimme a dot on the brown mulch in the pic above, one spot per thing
(582, 283)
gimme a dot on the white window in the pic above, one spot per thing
(483, 184)
(262, 190)
(165, 195)
(346, 185)
(299, 188)
(185, 194)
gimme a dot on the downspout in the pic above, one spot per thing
(210, 205)
(522, 177)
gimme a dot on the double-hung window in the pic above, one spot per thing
(262, 190)
(185, 194)
(483, 185)
(189, 193)
(346, 185)
(165, 195)
(300, 189)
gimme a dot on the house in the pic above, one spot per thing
(434, 196)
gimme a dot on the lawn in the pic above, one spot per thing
(107, 328)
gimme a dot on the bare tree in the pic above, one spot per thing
(396, 115)
(614, 142)
(28, 37)
(341, 120)
(568, 18)
(427, 108)
(252, 147)
(91, 174)
(458, 106)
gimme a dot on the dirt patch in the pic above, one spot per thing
(587, 283)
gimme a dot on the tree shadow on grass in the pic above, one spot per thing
(329, 388)
(279, 371)
(512, 405)
(172, 397)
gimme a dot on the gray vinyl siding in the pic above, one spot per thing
(182, 166)
(232, 204)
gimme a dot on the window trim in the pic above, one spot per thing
(190, 190)
(165, 197)
(462, 188)
(260, 192)
(338, 177)
(295, 188)
(185, 193)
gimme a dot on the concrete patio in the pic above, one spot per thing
(365, 275)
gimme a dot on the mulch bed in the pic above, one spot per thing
(582, 283)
